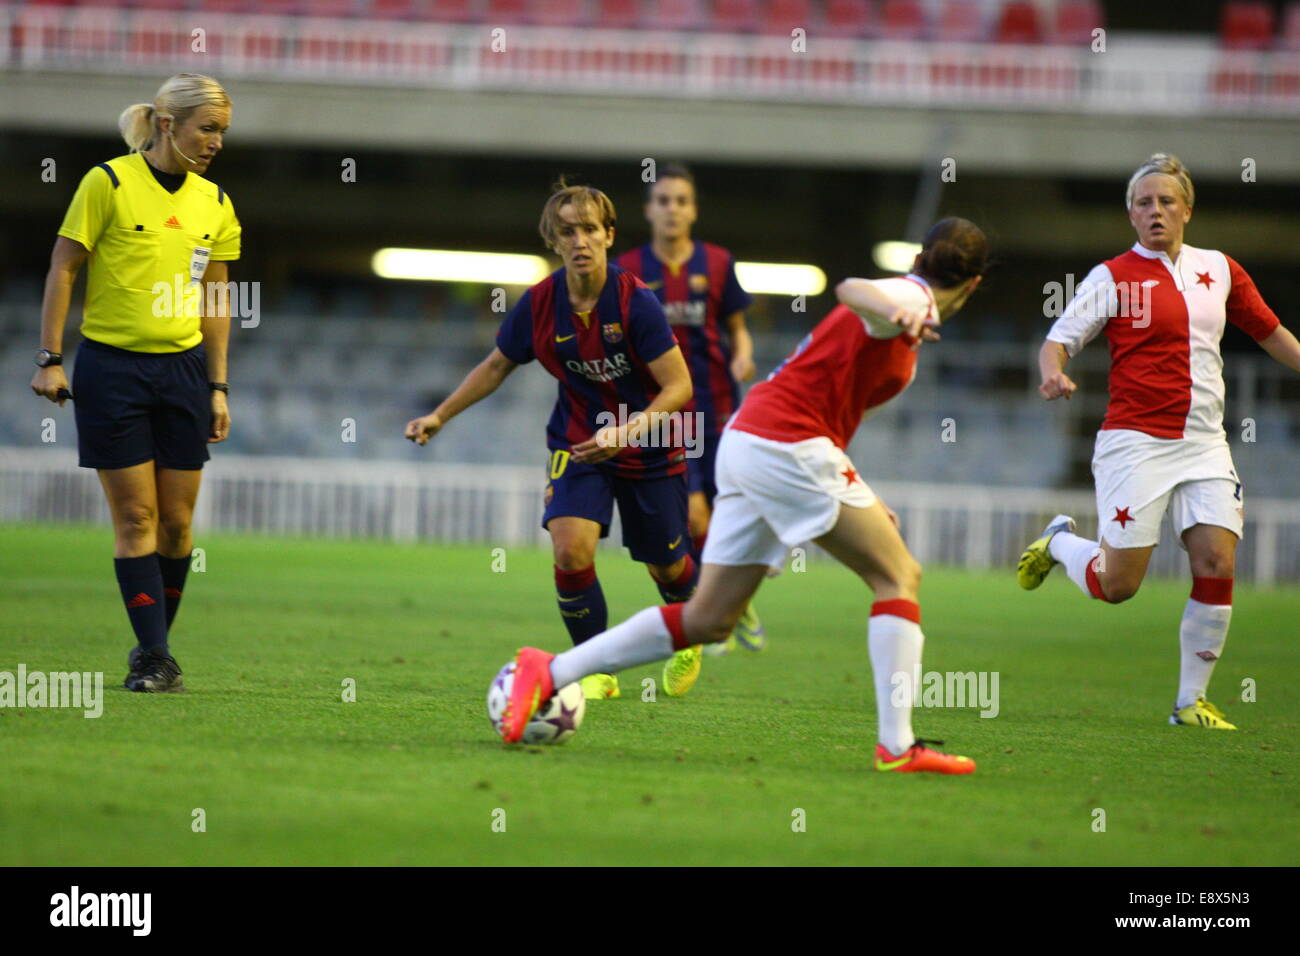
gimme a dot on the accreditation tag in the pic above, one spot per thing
(199, 263)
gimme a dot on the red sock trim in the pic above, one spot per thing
(1212, 590)
(898, 607)
(673, 621)
(1094, 585)
(688, 572)
(575, 580)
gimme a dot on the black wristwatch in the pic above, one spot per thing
(219, 387)
(45, 358)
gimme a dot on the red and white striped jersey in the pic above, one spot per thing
(845, 367)
(1164, 321)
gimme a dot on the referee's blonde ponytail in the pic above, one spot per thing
(177, 98)
(1169, 165)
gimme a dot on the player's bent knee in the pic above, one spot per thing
(1117, 592)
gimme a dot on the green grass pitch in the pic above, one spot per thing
(286, 772)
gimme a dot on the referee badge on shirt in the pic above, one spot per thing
(699, 283)
(199, 263)
(613, 331)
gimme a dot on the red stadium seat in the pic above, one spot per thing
(451, 11)
(393, 9)
(1290, 38)
(735, 16)
(675, 15)
(282, 8)
(161, 4)
(228, 6)
(783, 16)
(1075, 21)
(1246, 25)
(850, 18)
(902, 20)
(618, 14)
(330, 8)
(507, 11)
(559, 13)
(1019, 23)
(961, 21)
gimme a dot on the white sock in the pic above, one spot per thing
(895, 646)
(1204, 631)
(1075, 553)
(642, 639)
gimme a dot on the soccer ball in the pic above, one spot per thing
(556, 720)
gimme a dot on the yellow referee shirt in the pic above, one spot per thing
(148, 250)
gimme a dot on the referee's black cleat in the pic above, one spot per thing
(154, 673)
(132, 664)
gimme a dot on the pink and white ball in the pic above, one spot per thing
(556, 720)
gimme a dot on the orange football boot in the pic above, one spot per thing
(532, 687)
(919, 758)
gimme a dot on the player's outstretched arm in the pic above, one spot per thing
(476, 386)
(870, 300)
(1051, 365)
(1281, 343)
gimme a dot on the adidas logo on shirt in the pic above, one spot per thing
(173, 223)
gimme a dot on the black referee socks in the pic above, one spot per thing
(174, 571)
(141, 582)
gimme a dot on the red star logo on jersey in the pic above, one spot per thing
(850, 474)
(1203, 278)
(1122, 516)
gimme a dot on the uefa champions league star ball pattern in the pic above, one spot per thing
(556, 720)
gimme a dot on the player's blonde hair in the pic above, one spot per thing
(587, 202)
(1169, 165)
(177, 98)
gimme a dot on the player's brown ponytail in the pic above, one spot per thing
(955, 251)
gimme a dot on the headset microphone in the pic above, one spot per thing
(192, 162)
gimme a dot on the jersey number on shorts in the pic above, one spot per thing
(559, 461)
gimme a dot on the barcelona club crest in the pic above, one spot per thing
(613, 331)
(699, 283)
(548, 494)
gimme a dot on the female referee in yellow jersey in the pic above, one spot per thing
(149, 387)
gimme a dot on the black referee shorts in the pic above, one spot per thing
(133, 407)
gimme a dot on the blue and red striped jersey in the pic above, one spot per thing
(601, 361)
(697, 297)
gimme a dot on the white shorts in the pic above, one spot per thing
(775, 495)
(1139, 478)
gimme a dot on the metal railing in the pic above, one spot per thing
(959, 525)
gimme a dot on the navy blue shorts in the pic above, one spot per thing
(653, 510)
(699, 471)
(133, 407)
